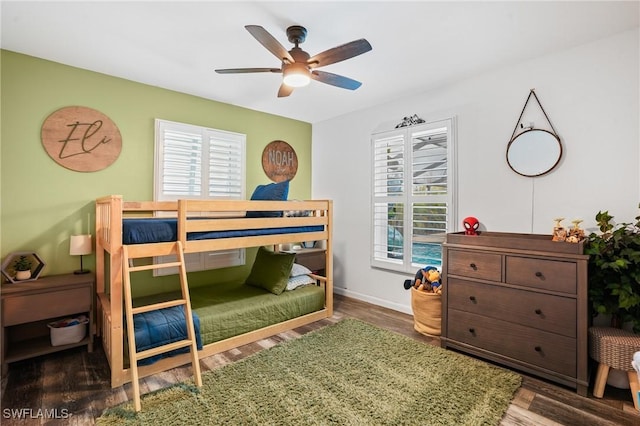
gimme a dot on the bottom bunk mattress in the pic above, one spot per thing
(230, 309)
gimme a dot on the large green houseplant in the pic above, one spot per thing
(614, 270)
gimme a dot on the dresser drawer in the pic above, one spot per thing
(545, 312)
(473, 264)
(542, 274)
(539, 348)
(35, 307)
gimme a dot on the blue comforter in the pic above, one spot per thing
(161, 327)
(155, 230)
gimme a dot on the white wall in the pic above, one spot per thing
(591, 96)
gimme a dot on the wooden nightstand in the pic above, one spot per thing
(313, 258)
(27, 307)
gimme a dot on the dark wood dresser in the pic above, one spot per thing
(519, 300)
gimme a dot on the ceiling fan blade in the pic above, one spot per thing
(247, 70)
(335, 80)
(268, 41)
(339, 53)
(284, 90)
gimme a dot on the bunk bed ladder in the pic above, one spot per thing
(131, 252)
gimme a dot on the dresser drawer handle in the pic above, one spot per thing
(538, 311)
(472, 330)
(473, 266)
(538, 274)
(472, 298)
(538, 349)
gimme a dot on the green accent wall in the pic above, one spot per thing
(43, 203)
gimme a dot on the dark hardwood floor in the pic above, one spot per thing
(72, 387)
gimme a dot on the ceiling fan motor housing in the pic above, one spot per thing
(296, 34)
(299, 55)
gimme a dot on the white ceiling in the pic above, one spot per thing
(417, 46)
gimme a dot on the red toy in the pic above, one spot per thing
(471, 225)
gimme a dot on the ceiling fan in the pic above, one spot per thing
(298, 67)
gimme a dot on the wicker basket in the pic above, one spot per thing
(427, 312)
(67, 335)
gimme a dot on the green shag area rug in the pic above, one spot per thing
(350, 373)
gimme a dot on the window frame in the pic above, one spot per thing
(407, 200)
(203, 260)
(206, 132)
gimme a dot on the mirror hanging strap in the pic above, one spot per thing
(532, 92)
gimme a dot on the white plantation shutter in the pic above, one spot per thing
(413, 195)
(197, 162)
(200, 163)
(389, 166)
(389, 194)
(429, 162)
(226, 165)
(181, 171)
(430, 194)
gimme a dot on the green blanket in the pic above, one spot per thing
(230, 309)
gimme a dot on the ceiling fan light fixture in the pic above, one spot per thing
(296, 75)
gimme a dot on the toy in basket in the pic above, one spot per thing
(426, 290)
(68, 330)
(426, 279)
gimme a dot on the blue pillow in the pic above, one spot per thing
(270, 192)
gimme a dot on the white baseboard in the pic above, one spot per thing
(373, 300)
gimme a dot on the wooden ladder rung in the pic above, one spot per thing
(157, 266)
(156, 306)
(162, 349)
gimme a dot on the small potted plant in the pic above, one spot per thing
(22, 267)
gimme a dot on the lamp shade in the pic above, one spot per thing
(80, 245)
(296, 75)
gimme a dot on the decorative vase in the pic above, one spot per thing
(23, 275)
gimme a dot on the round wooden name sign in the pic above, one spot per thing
(279, 161)
(81, 139)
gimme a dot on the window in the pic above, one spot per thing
(413, 195)
(199, 163)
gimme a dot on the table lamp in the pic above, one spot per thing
(80, 245)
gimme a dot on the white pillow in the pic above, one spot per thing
(297, 270)
(299, 281)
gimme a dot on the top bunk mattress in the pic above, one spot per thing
(159, 230)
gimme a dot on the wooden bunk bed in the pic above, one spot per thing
(213, 217)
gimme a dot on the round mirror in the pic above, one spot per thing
(534, 152)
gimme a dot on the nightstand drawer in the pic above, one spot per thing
(314, 260)
(545, 312)
(35, 307)
(474, 264)
(546, 350)
(542, 274)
